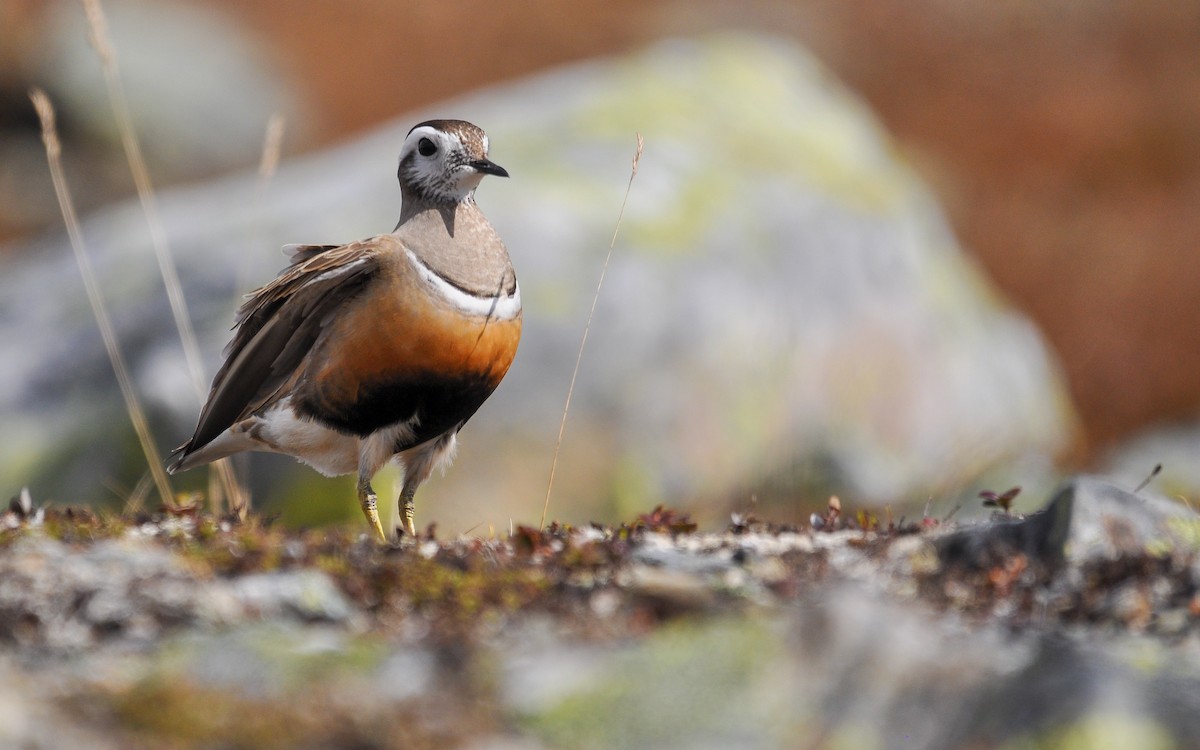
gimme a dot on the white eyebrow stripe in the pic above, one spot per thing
(501, 307)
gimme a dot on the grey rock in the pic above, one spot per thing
(1088, 519)
(1108, 521)
(33, 718)
(180, 64)
(264, 660)
(1171, 448)
(845, 665)
(406, 674)
(307, 594)
(55, 597)
(877, 642)
(63, 599)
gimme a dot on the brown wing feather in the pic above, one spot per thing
(275, 329)
(300, 253)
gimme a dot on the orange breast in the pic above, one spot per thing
(397, 350)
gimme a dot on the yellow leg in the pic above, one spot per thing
(408, 512)
(369, 504)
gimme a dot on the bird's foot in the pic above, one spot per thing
(370, 508)
(408, 515)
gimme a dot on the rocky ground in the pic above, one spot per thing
(1076, 624)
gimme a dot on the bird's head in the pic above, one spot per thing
(443, 161)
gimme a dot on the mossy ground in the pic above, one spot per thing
(451, 601)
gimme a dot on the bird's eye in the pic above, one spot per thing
(426, 147)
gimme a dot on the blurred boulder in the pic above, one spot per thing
(848, 668)
(55, 597)
(1057, 137)
(1168, 450)
(786, 312)
(199, 88)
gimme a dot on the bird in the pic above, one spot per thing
(379, 349)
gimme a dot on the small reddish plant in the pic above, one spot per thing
(1002, 501)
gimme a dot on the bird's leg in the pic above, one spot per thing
(407, 511)
(418, 462)
(369, 504)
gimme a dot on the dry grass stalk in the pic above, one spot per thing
(272, 147)
(45, 112)
(98, 35)
(562, 425)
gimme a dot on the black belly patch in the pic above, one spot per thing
(440, 404)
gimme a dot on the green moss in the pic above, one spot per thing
(1110, 731)
(463, 592)
(334, 564)
(832, 143)
(177, 713)
(1186, 531)
(75, 525)
(687, 680)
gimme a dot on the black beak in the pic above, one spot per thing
(484, 166)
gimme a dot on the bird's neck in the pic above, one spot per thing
(458, 243)
(412, 204)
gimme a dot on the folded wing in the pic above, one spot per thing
(276, 328)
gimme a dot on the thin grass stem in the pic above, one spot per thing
(562, 425)
(102, 43)
(45, 112)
